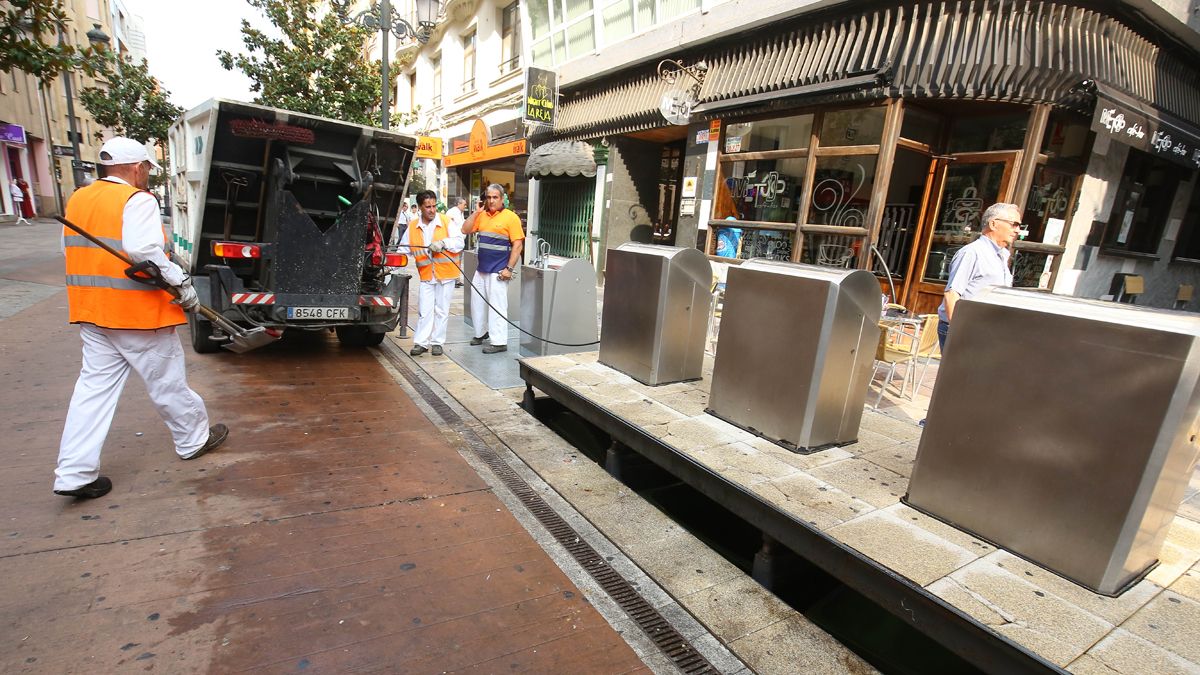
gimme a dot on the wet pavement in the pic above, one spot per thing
(336, 530)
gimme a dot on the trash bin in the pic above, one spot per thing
(470, 260)
(558, 302)
(1063, 430)
(656, 303)
(795, 352)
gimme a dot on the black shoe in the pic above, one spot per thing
(493, 349)
(437, 350)
(475, 342)
(217, 434)
(96, 488)
(417, 350)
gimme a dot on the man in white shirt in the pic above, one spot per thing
(457, 214)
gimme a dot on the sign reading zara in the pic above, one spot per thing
(541, 95)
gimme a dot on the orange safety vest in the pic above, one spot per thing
(98, 292)
(437, 266)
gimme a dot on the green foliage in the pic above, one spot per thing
(317, 67)
(133, 104)
(31, 41)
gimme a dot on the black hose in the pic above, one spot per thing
(501, 314)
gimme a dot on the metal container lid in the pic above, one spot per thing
(1171, 321)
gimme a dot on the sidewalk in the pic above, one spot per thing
(337, 530)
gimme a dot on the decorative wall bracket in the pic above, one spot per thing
(671, 70)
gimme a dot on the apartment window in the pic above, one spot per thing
(412, 91)
(436, 66)
(562, 30)
(510, 38)
(468, 78)
(1143, 203)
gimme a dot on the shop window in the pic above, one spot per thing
(920, 125)
(1049, 205)
(1142, 204)
(968, 189)
(743, 243)
(786, 133)
(510, 37)
(1067, 137)
(860, 126)
(1188, 247)
(760, 190)
(990, 132)
(841, 191)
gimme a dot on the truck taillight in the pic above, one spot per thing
(233, 249)
(395, 260)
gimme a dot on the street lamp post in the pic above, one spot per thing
(99, 40)
(381, 17)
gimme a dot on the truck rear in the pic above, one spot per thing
(281, 218)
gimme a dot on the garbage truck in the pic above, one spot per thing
(282, 219)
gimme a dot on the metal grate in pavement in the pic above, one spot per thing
(674, 645)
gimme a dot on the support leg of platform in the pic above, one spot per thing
(774, 565)
(528, 398)
(623, 463)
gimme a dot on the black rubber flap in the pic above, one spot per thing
(310, 261)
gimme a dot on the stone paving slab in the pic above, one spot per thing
(853, 495)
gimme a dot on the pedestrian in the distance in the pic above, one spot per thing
(18, 200)
(500, 242)
(124, 325)
(457, 215)
(438, 265)
(27, 205)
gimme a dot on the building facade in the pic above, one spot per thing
(874, 134)
(51, 119)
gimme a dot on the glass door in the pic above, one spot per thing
(963, 186)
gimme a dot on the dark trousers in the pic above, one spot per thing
(943, 331)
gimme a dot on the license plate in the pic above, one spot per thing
(342, 313)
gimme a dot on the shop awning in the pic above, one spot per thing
(1138, 124)
(561, 158)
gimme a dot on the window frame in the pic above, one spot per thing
(470, 60)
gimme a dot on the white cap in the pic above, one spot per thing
(122, 150)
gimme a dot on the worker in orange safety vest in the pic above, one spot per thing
(436, 245)
(124, 324)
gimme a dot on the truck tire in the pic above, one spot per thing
(358, 336)
(202, 331)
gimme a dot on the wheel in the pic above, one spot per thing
(358, 336)
(202, 332)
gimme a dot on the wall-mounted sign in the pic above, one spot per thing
(714, 130)
(83, 166)
(480, 149)
(429, 147)
(687, 206)
(1132, 127)
(63, 151)
(12, 133)
(702, 137)
(676, 107)
(541, 93)
(689, 186)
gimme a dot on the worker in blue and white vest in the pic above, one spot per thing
(501, 240)
(438, 266)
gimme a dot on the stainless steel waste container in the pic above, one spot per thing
(656, 303)
(1063, 430)
(795, 352)
(470, 264)
(558, 302)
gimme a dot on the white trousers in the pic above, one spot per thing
(482, 316)
(433, 312)
(108, 356)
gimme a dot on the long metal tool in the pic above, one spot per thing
(241, 340)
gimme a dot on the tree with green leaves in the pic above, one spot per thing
(133, 104)
(31, 41)
(316, 67)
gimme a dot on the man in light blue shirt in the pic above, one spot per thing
(980, 264)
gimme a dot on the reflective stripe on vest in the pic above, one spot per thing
(442, 266)
(80, 241)
(98, 292)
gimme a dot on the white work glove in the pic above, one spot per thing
(437, 246)
(187, 300)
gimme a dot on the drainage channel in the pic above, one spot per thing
(677, 648)
(863, 626)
